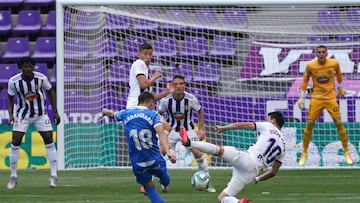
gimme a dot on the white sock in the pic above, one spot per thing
(202, 164)
(52, 157)
(14, 158)
(205, 147)
(229, 199)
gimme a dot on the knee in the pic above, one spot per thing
(17, 138)
(47, 137)
(310, 124)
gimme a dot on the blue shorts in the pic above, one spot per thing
(158, 168)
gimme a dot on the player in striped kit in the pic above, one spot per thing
(179, 107)
(29, 87)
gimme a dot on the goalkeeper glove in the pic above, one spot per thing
(341, 91)
(301, 101)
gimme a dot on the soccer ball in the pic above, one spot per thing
(200, 180)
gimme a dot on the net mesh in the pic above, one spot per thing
(241, 63)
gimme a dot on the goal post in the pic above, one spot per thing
(241, 59)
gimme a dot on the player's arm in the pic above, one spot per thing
(270, 173)
(11, 109)
(164, 142)
(201, 129)
(144, 82)
(303, 87)
(51, 93)
(341, 91)
(237, 125)
(170, 87)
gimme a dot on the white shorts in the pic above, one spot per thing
(41, 123)
(131, 102)
(244, 170)
(174, 137)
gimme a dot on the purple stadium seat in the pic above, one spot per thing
(198, 92)
(146, 25)
(235, 18)
(92, 73)
(352, 19)
(328, 18)
(131, 46)
(347, 38)
(164, 47)
(85, 21)
(67, 20)
(38, 2)
(318, 38)
(223, 47)
(119, 73)
(116, 23)
(76, 48)
(5, 22)
(184, 69)
(207, 72)
(193, 47)
(7, 71)
(112, 100)
(70, 73)
(11, 2)
(176, 16)
(29, 22)
(206, 17)
(253, 64)
(107, 47)
(3, 99)
(42, 68)
(50, 25)
(45, 49)
(16, 48)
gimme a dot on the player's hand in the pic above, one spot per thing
(301, 102)
(156, 75)
(57, 118)
(107, 112)
(218, 128)
(171, 157)
(201, 134)
(170, 87)
(11, 120)
(341, 92)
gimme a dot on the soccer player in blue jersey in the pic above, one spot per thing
(29, 86)
(141, 124)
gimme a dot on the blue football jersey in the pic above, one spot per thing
(139, 125)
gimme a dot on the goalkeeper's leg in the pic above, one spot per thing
(344, 140)
(306, 141)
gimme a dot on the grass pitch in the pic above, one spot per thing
(107, 186)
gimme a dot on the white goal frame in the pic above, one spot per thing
(60, 36)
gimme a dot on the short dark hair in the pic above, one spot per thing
(179, 77)
(26, 61)
(278, 118)
(321, 46)
(145, 97)
(145, 46)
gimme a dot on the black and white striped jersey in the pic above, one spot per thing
(30, 94)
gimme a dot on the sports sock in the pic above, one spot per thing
(229, 199)
(205, 147)
(307, 136)
(14, 158)
(343, 137)
(202, 165)
(153, 195)
(52, 157)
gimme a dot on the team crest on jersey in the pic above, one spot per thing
(179, 116)
(323, 80)
(30, 96)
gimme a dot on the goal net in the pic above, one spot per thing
(240, 61)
